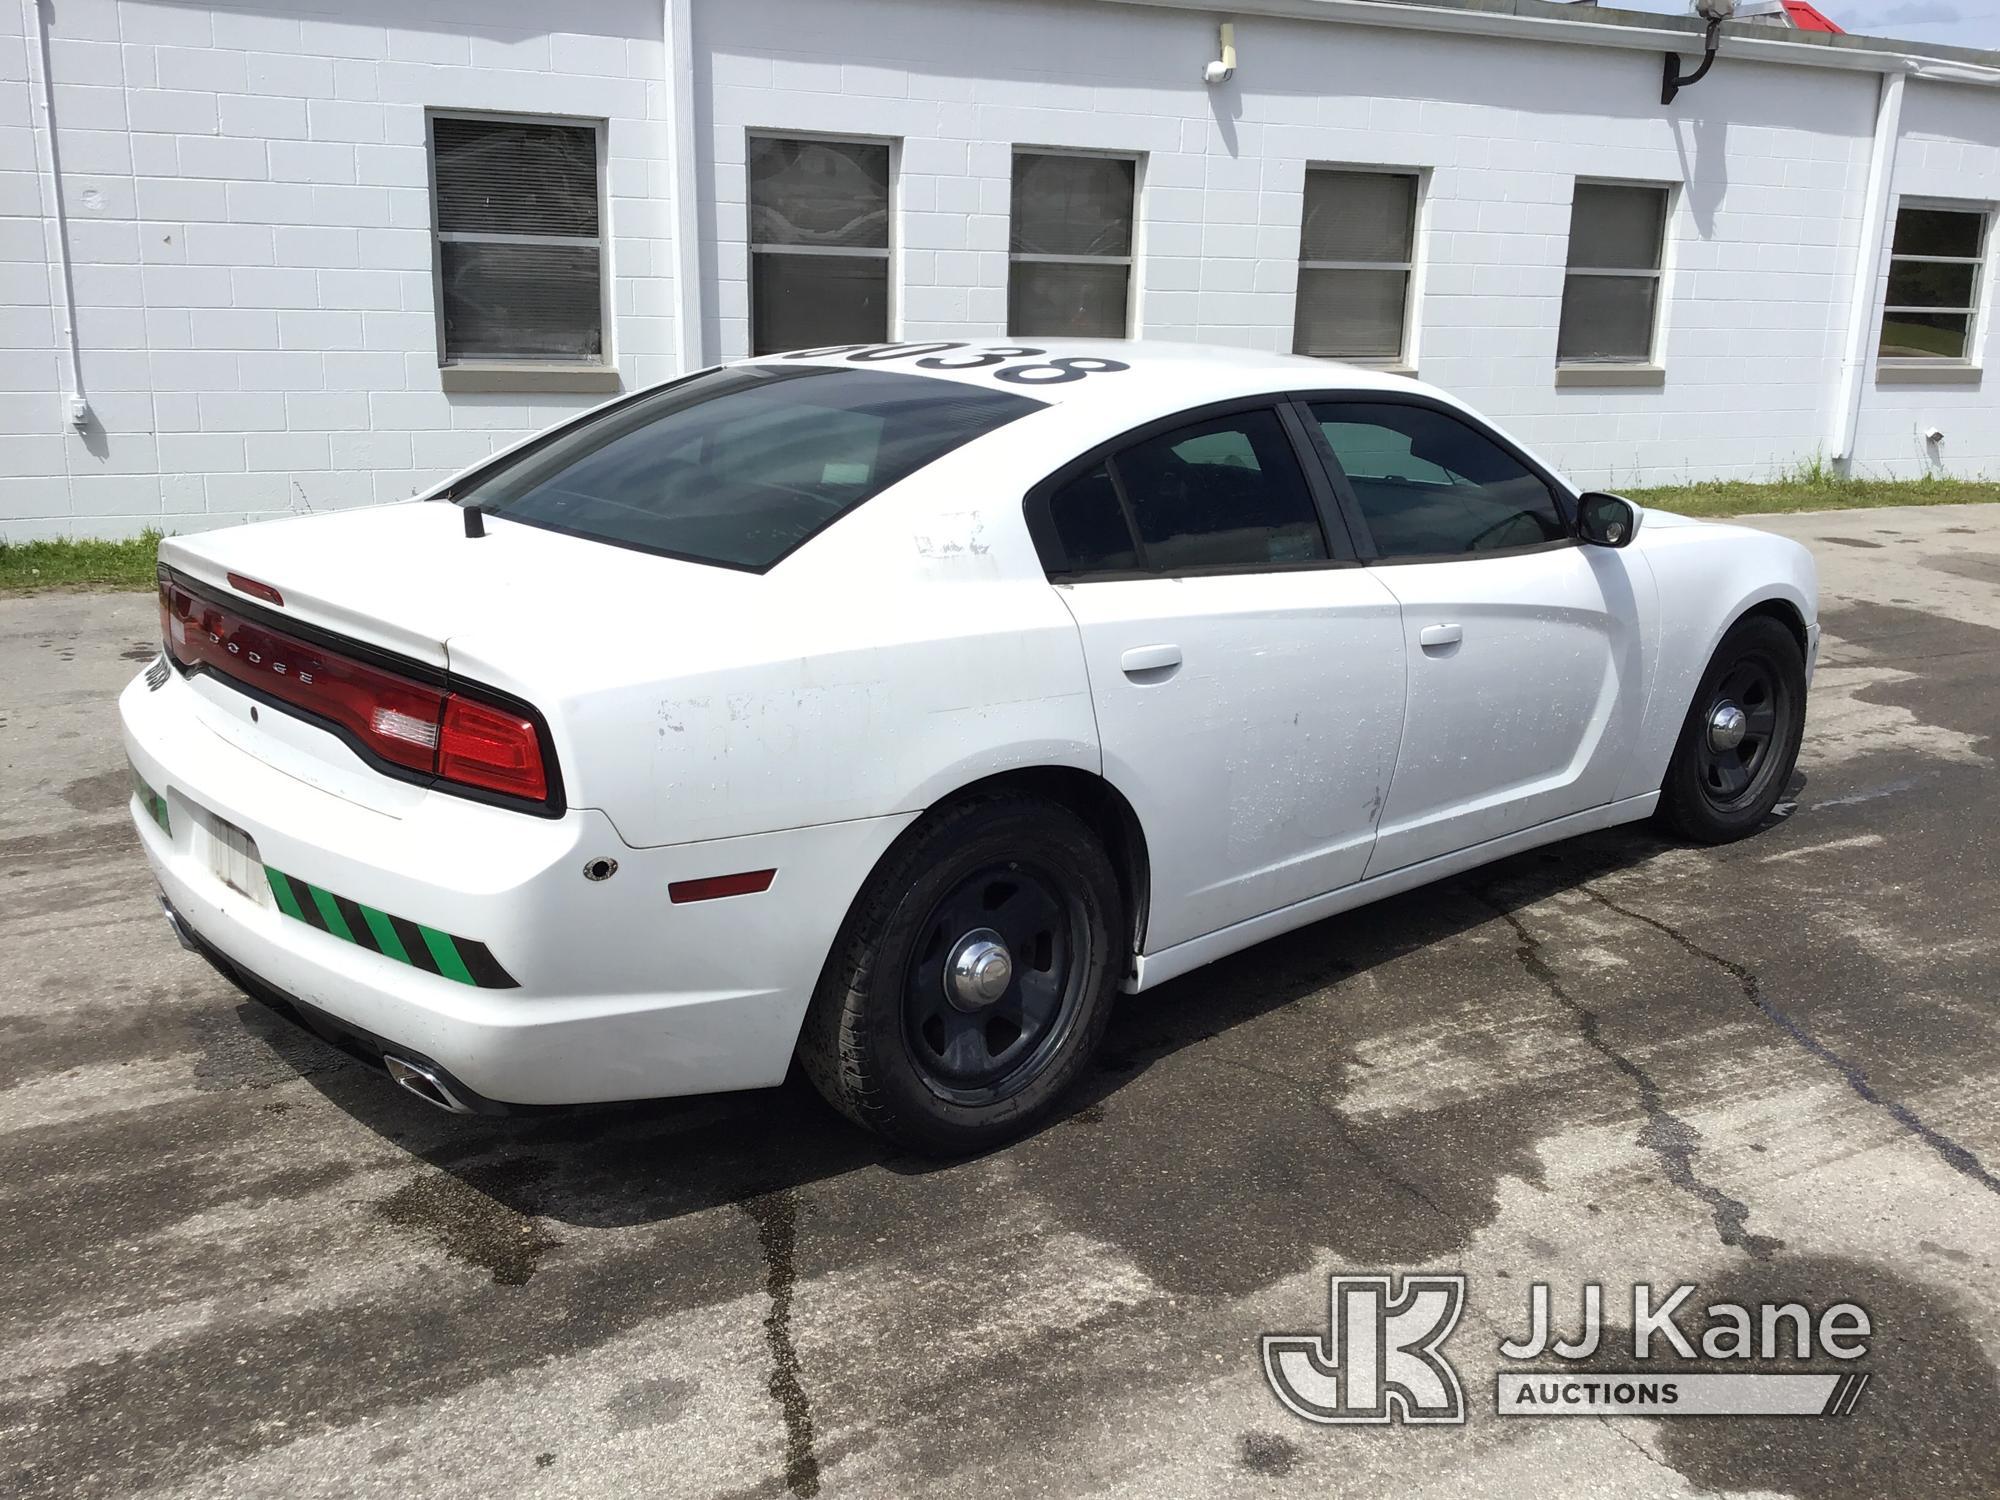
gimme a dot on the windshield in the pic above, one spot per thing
(740, 466)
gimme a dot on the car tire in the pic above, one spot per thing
(911, 1033)
(1740, 740)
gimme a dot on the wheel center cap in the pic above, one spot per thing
(979, 970)
(1727, 724)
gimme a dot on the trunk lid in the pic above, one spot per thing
(394, 577)
(517, 610)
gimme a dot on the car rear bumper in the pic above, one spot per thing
(517, 977)
(443, 1089)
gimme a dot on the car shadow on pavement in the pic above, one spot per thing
(629, 1164)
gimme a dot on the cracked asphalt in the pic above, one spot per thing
(233, 1262)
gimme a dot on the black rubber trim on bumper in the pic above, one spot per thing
(365, 1046)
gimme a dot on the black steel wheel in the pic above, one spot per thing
(1739, 730)
(991, 987)
(1741, 737)
(972, 978)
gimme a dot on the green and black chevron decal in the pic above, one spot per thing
(407, 942)
(152, 801)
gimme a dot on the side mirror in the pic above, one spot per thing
(1606, 520)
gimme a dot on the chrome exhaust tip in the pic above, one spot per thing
(183, 934)
(425, 1083)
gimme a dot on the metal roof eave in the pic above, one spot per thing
(1591, 26)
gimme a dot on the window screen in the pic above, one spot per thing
(520, 259)
(1070, 262)
(1430, 486)
(1935, 267)
(1612, 289)
(819, 243)
(1356, 242)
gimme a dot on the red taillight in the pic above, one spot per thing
(408, 723)
(389, 714)
(492, 748)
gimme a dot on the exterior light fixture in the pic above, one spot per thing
(1672, 80)
(1224, 67)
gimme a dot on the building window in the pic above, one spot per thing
(1611, 294)
(819, 243)
(1357, 242)
(1070, 266)
(518, 208)
(1934, 273)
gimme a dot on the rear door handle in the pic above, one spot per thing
(1440, 635)
(1143, 659)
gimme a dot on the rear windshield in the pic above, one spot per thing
(739, 466)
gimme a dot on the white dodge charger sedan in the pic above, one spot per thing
(892, 707)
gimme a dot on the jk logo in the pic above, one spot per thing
(1379, 1361)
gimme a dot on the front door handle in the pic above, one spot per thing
(1433, 636)
(1151, 662)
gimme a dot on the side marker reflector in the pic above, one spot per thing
(748, 883)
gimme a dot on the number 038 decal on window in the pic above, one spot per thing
(959, 356)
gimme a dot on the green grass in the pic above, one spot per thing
(26, 567)
(1813, 486)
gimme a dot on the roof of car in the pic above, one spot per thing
(1112, 371)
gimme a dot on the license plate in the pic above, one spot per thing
(232, 856)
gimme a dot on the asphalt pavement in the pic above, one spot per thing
(234, 1262)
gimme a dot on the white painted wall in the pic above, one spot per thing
(249, 232)
(1950, 149)
(1769, 163)
(248, 220)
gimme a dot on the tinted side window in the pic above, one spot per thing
(1431, 486)
(1223, 493)
(1090, 525)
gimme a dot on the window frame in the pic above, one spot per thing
(1326, 505)
(607, 357)
(1652, 359)
(1350, 542)
(1130, 260)
(1975, 315)
(1357, 522)
(890, 253)
(1420, 177)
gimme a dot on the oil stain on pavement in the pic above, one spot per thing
(464, 1218)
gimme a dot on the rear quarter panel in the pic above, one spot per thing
(911, 648)
(1709, 577)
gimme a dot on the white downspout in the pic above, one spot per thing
(679, 24)
(55, 227)
(1868, 264)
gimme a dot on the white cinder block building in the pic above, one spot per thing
(278, 255)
